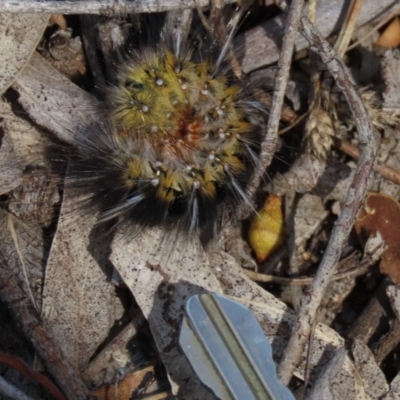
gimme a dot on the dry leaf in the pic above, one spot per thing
(306, 223)
(322, 389)
(394, 392)
(390, 37)
(329, 179)
(394, 296)
(19, 36)
(391, 74)
(36, 197)
(162, 278)
(29, 144)
(381, 214)
(267, 229)
(261, 44)
(374, 380)
(11, 170)
(53, 101)
(65, 53)
(79, 301)
(123, 389)
(22, 245)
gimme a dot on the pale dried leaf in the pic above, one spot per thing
(35, 190)
(29, 144)
(306, 223)
(389, 154)
(329, 179)
(53, 101)
(162, 278)
(394, 296)
(391, 74)
(22, 245)
(261, 44)
(79, 302)
(373, 378)
(322, 388)
(35, 198)
(375, 246)
(19, 36)
(394, 392)
(11, 171)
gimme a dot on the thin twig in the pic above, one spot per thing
(258, 277)
(293, 124)
(23, 368)
(385, 171)
(382, 22)
(281, 80)
(368, 145)
(346, 33)
(107, 7)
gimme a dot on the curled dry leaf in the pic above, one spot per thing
(65, 53)
(124, 388)
(19, 36)
(267, 228)
(381, 214)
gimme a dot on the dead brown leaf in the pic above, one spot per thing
(381, 214)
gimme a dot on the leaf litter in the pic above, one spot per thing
(85, 289)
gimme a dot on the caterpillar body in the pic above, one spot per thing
(179, 142)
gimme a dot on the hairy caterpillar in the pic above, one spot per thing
(179, 142)
(143, 167)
